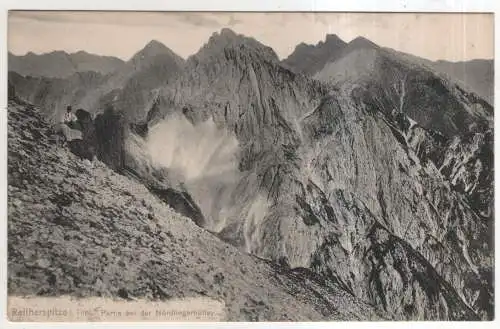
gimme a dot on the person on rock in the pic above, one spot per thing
(69, 128)
(70, 118)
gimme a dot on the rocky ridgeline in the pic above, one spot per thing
(77, 228)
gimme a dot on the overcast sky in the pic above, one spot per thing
(453, 37)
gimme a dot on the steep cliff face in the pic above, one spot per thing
(77, 228)
(238, 84)
(324, 167)
(364, 155)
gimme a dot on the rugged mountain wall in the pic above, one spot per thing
(363, 155)
(391, 83)
(330, 182)
(77, 228)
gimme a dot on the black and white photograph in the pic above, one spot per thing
(250, 166)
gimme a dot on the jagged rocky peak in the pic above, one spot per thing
(333, 38)
(228, 39)
(309, 59)
(330, 40)
(58, 52)
(303, 45)
(225, 36)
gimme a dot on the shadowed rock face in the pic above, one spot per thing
(110, 130)
(105, 138)
(181, 202)
(80, 229)
(309, 59)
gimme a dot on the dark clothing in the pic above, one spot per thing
(74, 125)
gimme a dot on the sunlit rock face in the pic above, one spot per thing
(331, 176)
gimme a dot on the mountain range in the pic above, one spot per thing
(370, 168)
(60, 64)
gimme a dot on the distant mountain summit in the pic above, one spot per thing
(153, 52)
(309, 59)
(478, 74)
(60, 64)
(361, 43)
(227, 39)
(392, 81)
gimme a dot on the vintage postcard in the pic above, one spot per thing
(238, 166)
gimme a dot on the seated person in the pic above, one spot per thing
(70, 119)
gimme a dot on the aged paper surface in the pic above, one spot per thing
(250, 166)
(65, 309)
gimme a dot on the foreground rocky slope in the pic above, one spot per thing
(77, 228)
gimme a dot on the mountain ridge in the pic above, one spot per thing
(60, 64)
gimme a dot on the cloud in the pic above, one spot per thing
(44, 31)
(95, 17)
(233, 21)
(199, 19)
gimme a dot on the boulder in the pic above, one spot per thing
(110, 132)
(69, 133)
